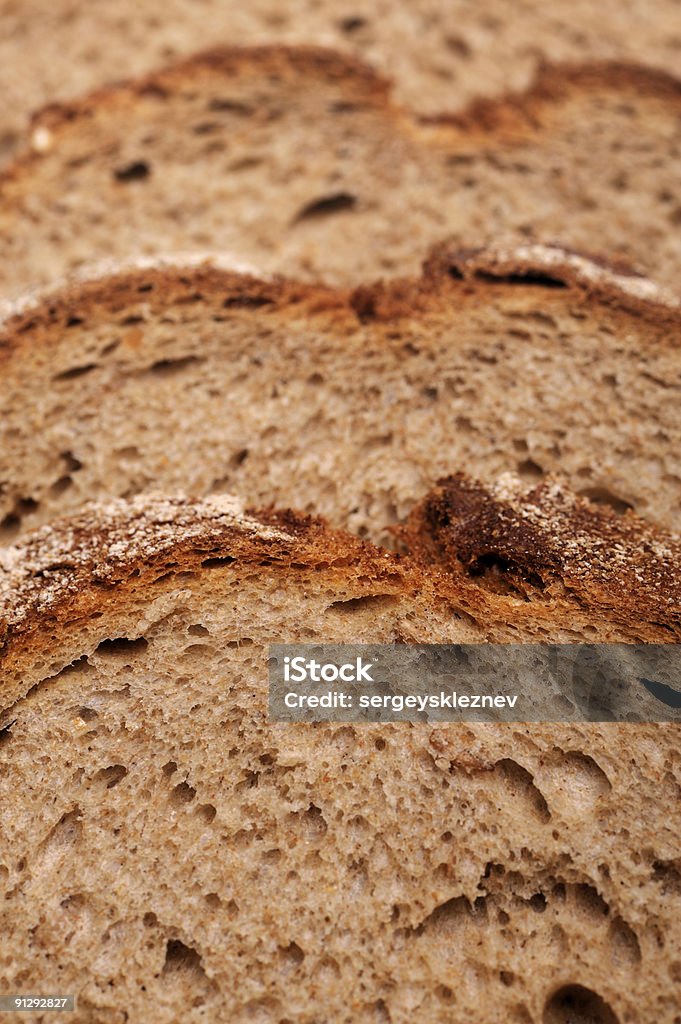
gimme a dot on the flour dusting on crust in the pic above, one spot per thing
(98, 270)
(49, 563)
(582, 270)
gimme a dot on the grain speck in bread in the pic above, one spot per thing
(298, 160)
(433, 873)
(349, 404)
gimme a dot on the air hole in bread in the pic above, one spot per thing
(325, 205)
(538, 902)
(12, 522)
(111, 776)
(352, 23)
(207, 812)
(70, 461)
(183, 793)
(227, 104)
(247, 302)
(131, 452)
(168, 367)
(444, 993)
(206, 127)
(313, 821)
(459, 46)
(355, 604)
(76, 371)
(138, 170)
(495, 573)
(217, 562)
(65, 833)
(291, 954)
(521, 785)
(197, 630)
(238, 458)
(529, 470)
(576, 1004)
(445, 917)
(182, 958)
(5, 731)
(60, 486)
(535, 279)
(122, 646)
(605, 497)
(667, 873)
(624, 942)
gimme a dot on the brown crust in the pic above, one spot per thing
(513, 111)
(60, 572)
(449, 276)
(555, 266)
(548, 546)
(37, 312)
(541, 559)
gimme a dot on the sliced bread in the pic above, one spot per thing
(441, 55)
(349, 404)
(165, 852)
(298, 160)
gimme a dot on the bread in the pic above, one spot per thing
(167, 853)
(573, 561)
(297, 160)
(441, 56)
(348, 404)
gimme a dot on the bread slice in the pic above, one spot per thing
(298, 160)
(167, 852)
(349, 404)
(440, 55)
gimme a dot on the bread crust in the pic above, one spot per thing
(552, 83)
(512, 111)
(449, 276)
(547, 545)
(60, 571)
(556, 551)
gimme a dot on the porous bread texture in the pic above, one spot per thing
(573, 561)
(298, 160)
(441, 56)
(347, 404)
(164, 850)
